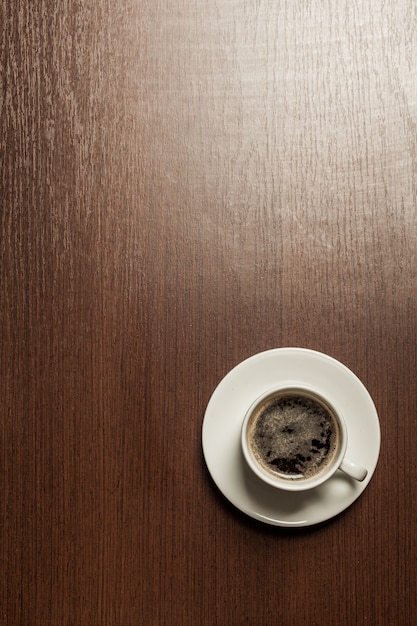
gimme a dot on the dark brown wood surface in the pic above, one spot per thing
(183, 184)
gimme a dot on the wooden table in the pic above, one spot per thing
(185, 184)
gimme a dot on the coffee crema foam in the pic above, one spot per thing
(293, 436)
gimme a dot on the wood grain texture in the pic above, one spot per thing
(184, 184)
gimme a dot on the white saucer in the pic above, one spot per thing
(222, 427)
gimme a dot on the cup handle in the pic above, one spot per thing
(354, 470)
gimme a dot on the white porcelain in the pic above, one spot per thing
(221, 436)
(339, 461)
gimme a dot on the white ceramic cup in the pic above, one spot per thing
(336, 461)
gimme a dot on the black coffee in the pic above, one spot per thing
(293, 435)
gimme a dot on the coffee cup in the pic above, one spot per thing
(294, 438)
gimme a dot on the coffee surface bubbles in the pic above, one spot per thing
(293, 436)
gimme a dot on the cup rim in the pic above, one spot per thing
(288, 484)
